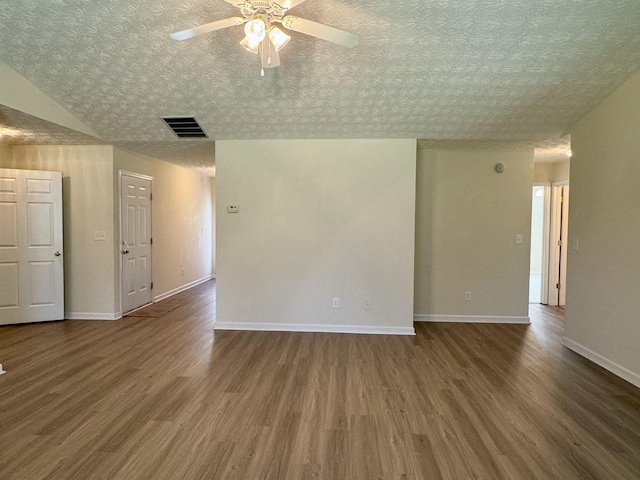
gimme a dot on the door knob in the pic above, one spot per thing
(124, 252)
(57, 254)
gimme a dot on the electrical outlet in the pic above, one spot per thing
(367, 304)
(232, 209)
(183, 272)
(467, 296)
(336, 303)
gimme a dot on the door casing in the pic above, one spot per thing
(559, 232)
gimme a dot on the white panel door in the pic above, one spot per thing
(135, 244)
(31, 264)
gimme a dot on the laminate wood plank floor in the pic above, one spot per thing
(169, 398)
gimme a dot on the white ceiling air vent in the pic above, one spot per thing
(185, 127)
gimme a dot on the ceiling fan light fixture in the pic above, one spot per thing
(278, 38)
(255, 31)
(249, 46)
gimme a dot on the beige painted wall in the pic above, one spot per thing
(561, 171)
(317, 219)
(182, 208)
(20, 94)
(551, 172)
(467, 218)
(87, 199)
(213, 225)
(543, 172)
(6, 153)
(603, 284)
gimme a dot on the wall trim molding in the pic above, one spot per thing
(184, 287)
(603, 362)
(92, 316)
(471, 319)
(299, 327)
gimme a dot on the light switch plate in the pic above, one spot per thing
(99, 236)
(519, 238)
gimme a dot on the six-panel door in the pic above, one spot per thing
(31, 255)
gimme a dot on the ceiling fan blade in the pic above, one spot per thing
(268, 50)
(287, 4)
(319, 30)
(235, 3)
(207, 27)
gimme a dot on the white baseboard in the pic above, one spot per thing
(118, 315)
(470, 319)
(296, 327)
(92, 316)
(1, 370)
(184, 287)
(604, 362)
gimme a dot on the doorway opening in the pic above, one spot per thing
(539, 258)
(549, 244)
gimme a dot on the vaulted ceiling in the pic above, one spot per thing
(447, 72)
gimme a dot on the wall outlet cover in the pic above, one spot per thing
(99, 235)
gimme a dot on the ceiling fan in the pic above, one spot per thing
(262, 36)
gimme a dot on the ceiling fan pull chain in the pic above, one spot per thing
(262, 59)
(269, 51)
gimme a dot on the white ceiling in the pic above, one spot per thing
(448, 72)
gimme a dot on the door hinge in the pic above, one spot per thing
(151, 285)
(151, 241)
(558, 286)
(151, 197)
(559, 243)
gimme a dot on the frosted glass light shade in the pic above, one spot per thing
(278, 38)
(250, 47)
(255, 31)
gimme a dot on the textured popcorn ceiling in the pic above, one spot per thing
(19, 128)
(449, 72)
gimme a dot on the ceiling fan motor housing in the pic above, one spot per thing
(270, 8)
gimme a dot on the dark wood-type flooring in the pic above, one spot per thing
(167, 398)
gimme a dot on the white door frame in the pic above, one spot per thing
(119, 245)
(555, 228)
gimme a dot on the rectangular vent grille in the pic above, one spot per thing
(185, 127)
